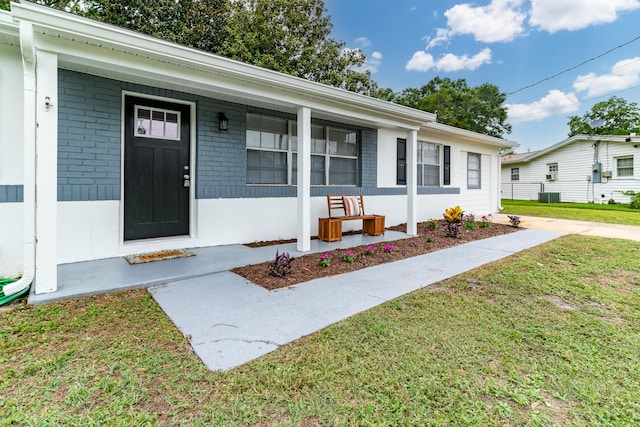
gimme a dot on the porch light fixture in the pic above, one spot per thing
(223, 122)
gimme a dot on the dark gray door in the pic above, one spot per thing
(156, 169)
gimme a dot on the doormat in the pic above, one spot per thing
(158, 256)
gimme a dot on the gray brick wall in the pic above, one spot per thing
(88, 137)
(11, 193)
(89, 146)
(369, 157)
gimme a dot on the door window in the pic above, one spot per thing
(157, 123)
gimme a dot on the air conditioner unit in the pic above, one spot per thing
(552, 176)
(607, 174)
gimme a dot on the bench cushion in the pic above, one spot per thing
(351, 206)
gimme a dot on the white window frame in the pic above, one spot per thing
(422, 165)
(286, 151)
(164, 112)
(618, 175)
(471, 185)
(291, 152)
(515, 174)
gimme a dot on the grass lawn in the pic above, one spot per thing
(549, 336)
(613, 214)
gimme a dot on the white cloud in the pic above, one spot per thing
(557, 15)
(420, 61)
(363, 42)
(450, 62)
(423, 61)
(555, 102)
(372, 62)
(499, 21)
(623, 75)
(442, 35)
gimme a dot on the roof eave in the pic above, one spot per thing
(472, 136)
(105, 34)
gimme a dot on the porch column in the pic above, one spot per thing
(304, 180)
(46, 278)
(412, 182)
(498, 204)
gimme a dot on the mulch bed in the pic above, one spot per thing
(307, 267)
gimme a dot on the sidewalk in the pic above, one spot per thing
(568, 226)
(230, 321)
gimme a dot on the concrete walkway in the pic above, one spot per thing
(585, 228)
(231, 321)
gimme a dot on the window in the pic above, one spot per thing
(267, 150)
(624, 166)
(515, 174)
(428, 160)
(272, 146)
(401, 161)
(157, 123)
(473, 170)
(553, 172)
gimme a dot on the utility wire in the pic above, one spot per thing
(574, 67)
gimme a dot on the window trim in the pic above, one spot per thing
(474, 186)
(292, 139)
(515, 174)
(164, 111)
(617, 159)
(438, 164)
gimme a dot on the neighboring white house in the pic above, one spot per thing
(113, 142)
(583, 168)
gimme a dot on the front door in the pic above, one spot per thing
(156, 169)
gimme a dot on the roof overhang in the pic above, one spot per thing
(106, 50)
(575, 138)
(468, 136)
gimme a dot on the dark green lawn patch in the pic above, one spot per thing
(546, 337)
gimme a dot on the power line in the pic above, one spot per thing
(525, 116)
(574, 67)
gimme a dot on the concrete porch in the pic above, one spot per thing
(109, 274)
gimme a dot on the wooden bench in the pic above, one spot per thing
(330, 229)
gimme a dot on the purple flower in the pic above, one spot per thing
(368, 250)
(413, 243)
(324, 260)
(388, 248)
(349, 256)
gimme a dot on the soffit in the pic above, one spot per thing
(105, 50)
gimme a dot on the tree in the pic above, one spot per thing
(195, 23)
(479, 109)
(619, 118)
(292, 37)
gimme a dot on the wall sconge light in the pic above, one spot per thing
(223, 122)
(47, 102)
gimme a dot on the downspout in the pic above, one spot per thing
(27, 48)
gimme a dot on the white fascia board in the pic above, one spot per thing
(8, 27)
(575, 138)
(303, 92)
(149, 71)
(468, 135)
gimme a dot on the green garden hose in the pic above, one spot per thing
(5, 299)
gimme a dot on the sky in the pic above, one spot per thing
(592, 47)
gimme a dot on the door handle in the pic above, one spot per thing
(186, 176)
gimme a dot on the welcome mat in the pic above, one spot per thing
(158, 256)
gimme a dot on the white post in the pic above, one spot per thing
(46, 172)
(304, 180)
(412, 182)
